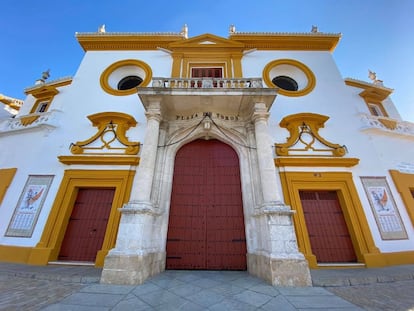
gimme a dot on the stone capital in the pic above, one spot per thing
(260, 112)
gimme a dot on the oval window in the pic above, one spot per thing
(291, 77)
(285, 83)
(129, 82)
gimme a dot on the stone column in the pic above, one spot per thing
(141, 190)
(279, 261)
(264, 149)
(137, 255)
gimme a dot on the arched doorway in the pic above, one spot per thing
(206, 223)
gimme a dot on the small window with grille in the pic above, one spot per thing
(42, 106)
(375, 110)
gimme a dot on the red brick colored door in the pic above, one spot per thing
(206, 224)
(328, 233)
(206, 73)
(87, 225)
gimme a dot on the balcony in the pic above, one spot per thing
(205, 83)
(187, 96)
(31, 122)
(387, 126)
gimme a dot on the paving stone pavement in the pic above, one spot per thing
(76, 288)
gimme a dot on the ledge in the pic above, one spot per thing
(314, 162)
(100, 160)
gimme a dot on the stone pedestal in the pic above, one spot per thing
(131, 269)
(281, 263)
(137, 255)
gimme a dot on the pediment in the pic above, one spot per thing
(206, 41)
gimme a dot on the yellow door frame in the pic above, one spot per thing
(341, 182)
(49, 245)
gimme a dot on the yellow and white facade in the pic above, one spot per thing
(307, 142)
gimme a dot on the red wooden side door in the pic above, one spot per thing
(87, 225)
(206, 225)
(328, 233)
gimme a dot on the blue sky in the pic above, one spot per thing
(376, 34)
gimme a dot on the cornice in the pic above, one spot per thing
(93, 41)
(371, 91)
(48, 85)
(287, 41)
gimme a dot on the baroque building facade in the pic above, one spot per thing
(249, 152)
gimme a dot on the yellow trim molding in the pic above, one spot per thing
(306, 124)
(267, 78)
(47, 89)
(104, 80)
(99, 160)
(388, 123)
(127, 41)
(287, 41)
(315, 162)
(6, 177)
(262, 41)
(405, 185)
(372, 94)
(45, 92)
(399, 258)
(206, 51)
(29, 119)
(54, 231)
(341, 182)
(16, 254)
(113, 124)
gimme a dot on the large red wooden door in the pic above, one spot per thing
(87, 224)
(206, 225)
(328, 233)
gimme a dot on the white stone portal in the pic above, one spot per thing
(271, 242)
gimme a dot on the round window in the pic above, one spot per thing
(129, 82)
(122, 78)
(291, 77)
(286, 83)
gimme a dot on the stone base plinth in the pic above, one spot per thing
(131, 269)
(280, 271)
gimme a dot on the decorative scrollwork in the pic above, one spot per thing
(304, 134)
(112, 127)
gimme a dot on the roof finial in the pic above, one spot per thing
(101, 29)
(314, 29)
(232, 29)
(184, 31)
(45, 76)
(373, 76)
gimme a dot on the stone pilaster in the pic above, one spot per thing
(279, 262)
(137, 254)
